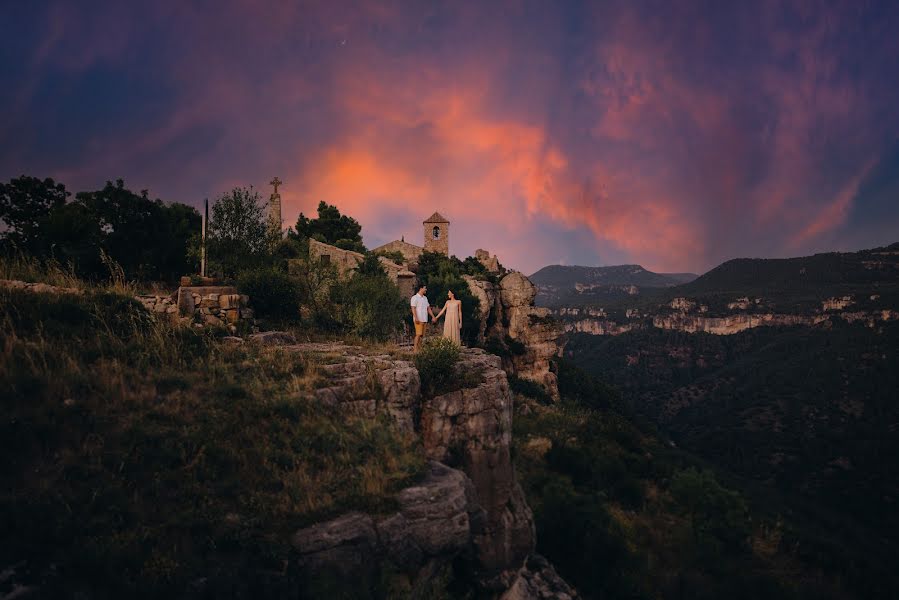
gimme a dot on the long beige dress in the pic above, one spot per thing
(453, 321)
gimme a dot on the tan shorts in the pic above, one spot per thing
(419, 329)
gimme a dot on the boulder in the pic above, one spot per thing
(538, 580)
(273, 338)
(433, 522)
(517, 290)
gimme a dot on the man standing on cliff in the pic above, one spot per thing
(421, 308)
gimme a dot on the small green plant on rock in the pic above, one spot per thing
(436, 362)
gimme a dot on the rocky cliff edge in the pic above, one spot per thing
(469, 511)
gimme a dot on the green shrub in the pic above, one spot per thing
(272, 293)
(368, 304)
(515, 347)
(436, 362)
(531, 389)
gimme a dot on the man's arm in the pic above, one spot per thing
(414, 314)
(431, 310)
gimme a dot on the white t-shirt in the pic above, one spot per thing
(420, 304)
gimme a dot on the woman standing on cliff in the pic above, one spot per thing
(452, 327)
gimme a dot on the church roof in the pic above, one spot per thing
(436, 218)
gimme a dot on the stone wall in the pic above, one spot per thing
(203, 305)
(491, 263)
(344, 260)
(410, 252)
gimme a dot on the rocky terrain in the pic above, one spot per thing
(508, 313)
(741, 294)
(692, 322)
(470, 508)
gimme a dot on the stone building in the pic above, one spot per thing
(344, 260)
(491, 263)
(437, 234)
(347, 260)
(436, 239)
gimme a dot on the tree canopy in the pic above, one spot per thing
(148, 238)
(330, 227)
(25, 207)
(238, 237)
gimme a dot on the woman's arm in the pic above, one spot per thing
(440, 314)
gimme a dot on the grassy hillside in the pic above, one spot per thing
(141, 459)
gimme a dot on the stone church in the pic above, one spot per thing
(436, 239)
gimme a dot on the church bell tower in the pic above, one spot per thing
(436, 234)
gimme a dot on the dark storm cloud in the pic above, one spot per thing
(671, 134)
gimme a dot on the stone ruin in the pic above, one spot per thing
(201, 305)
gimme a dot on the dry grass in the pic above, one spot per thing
(143, 455)
(27, 268)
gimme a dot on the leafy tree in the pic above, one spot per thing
(369, 304)
(146, 237)
(238, 237)
(25, 207)
(74, 236)
(331, 228)
(274, 294)
(370, 267)
(716, 513)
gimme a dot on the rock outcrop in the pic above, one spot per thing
(470, 506)
(508, 313)
(539, 580)
(434, 522)
(472, 428)
(531, 326)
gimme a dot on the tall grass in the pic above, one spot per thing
(24, 267)
(139, 456)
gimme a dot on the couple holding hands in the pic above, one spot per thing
(421, 308)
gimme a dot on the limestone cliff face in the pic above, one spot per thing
(471, 428)
(470, 506)
(508, 311)
(726, 325)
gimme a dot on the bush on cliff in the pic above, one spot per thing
(273, 293)
(369, 304)
(436, 362)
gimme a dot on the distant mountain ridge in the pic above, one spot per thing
(560, 283)
(834, 272)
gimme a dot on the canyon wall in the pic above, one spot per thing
(726, 325)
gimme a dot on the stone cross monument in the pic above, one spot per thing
(274, 208)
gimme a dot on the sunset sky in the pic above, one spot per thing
(671, 134)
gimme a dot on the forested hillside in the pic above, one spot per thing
(802, 421)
